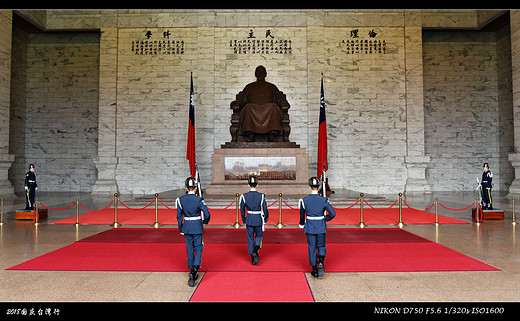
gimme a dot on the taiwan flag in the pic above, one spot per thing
(322, 138)
(190, 149)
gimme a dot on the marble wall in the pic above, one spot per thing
(55, 125)
(363, 70)
(401, 104)
(465, 123)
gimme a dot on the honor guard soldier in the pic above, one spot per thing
(253, 203)
(312, 220)
(30, 188)
(487, 178)
(192, 212)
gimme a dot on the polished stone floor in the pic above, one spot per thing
(493, 242)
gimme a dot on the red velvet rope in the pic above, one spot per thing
(88, 209)
(457, 210)
(346, 208)
(138, 209)
(166, 206)
(57, 209)
(426, 210)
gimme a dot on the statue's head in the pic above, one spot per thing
(260, 72)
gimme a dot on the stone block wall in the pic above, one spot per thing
(109, 112)
(363, 93)
(464, 122)
(55, 125)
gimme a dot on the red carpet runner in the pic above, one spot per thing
(253, 287)
(229, 275)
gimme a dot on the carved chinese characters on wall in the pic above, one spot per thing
(259, 42)
(155, 43)
(358, 42)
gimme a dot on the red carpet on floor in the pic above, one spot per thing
(289, 216)
(220, 235)
(229, 275)
(253, 287)
(395, 251)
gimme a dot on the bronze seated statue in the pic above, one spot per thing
(260, 112)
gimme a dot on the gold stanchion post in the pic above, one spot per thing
(237, 201)
(116, 224)
(361, 224)
(436, 214)
(2, 223)
(36, 213)
(400, 224)
(77, 213)
(156, 224)
(280, 225)
(478, 217)
(512, 222)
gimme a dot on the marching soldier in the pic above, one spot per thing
(487, 178)
(189, 210)
(312, 220)
(253, 203)
(30, 188)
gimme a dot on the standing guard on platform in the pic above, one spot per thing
(314, 207)
(257, 215)
(30, 188)
(195, 213)
(487, 178)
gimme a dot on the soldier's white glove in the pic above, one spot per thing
(301, 226)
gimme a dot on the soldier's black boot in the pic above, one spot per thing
(321, 267)
(255, 259)
(193, 275)
(314, 272)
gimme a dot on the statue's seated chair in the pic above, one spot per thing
(237, 136)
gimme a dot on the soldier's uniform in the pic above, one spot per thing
(253, 203)
(30, 188)
(487, 178)
(189, 219)
(313, 220)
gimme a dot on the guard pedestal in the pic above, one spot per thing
(488, 214)
(29, 214)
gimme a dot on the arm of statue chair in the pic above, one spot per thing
(235, 106)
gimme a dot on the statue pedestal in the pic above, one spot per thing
(280, 169)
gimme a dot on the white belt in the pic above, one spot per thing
(194, 218)
(315, 217)
(254, 212)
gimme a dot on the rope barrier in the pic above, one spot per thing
(477, 217)
(457, 210)
(476, 213)
(104, 208)
(289, 206)
(225, 208)
(271, 203)
(172, 209)
(426, 210)
(364, 201)
(137, 209)
(211, 208)
(58, 209)
(346, 208)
